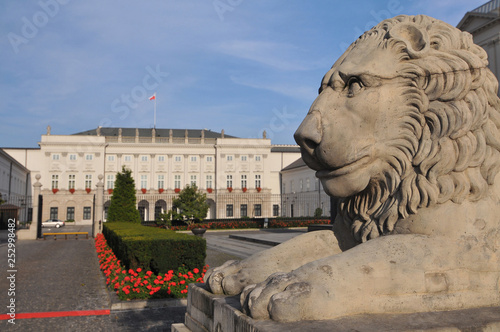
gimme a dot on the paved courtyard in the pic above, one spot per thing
(63, 275)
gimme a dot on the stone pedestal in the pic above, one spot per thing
(30, 233)
(218, 313)
(99, 206)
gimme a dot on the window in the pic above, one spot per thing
(55, 157)
(229, 158)
(144, 181)
(301, 185)
(257, 158)
(276, 210)
(308, 184)
(257, 209)
(111, 158)
(209, 181)
(161, 158)
(144, 158)
(110, 181)
(53, 213)
(88, 181)
(243, 158)
(258, 183)
(106, 208)
(161, 181)
(178, 158)
(70, 213)
(243, 181)
(229, 181)
(243, 210)
(177, 181)
(86, 213)
(210, 159)
(71, 181)
(55, 181)
(193, 180)
(89, 157)
(194, 158)
(127, 158)
(72, 157)
(229, 210)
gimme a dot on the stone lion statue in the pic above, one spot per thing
(405, 133)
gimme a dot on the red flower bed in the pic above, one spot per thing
(141, 284)
(273, 223)
(218, 225)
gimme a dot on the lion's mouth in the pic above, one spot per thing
(343, 170)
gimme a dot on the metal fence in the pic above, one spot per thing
(240, 205)
(24, 204)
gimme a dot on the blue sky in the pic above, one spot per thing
(240, 65)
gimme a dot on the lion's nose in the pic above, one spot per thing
(308, 135)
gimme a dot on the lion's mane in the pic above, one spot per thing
(449, 149)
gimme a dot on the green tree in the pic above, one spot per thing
(122, 207)
(318, 212)
(191, 206)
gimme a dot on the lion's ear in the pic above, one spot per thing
(415, 38)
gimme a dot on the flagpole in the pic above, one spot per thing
(154, 119)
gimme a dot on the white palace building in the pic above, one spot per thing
(240, 176)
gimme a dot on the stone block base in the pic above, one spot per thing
(216, 313)
(26, 234)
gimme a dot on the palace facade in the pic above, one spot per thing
(241, 177)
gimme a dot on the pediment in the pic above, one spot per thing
(473, 21)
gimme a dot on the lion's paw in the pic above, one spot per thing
(229, 278)
(282, 297)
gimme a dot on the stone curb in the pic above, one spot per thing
(254, 240)
(137, 305)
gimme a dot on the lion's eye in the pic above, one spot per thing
(354, 85)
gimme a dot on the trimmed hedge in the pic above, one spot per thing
(153, 248)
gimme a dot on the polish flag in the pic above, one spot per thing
(153, 97)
